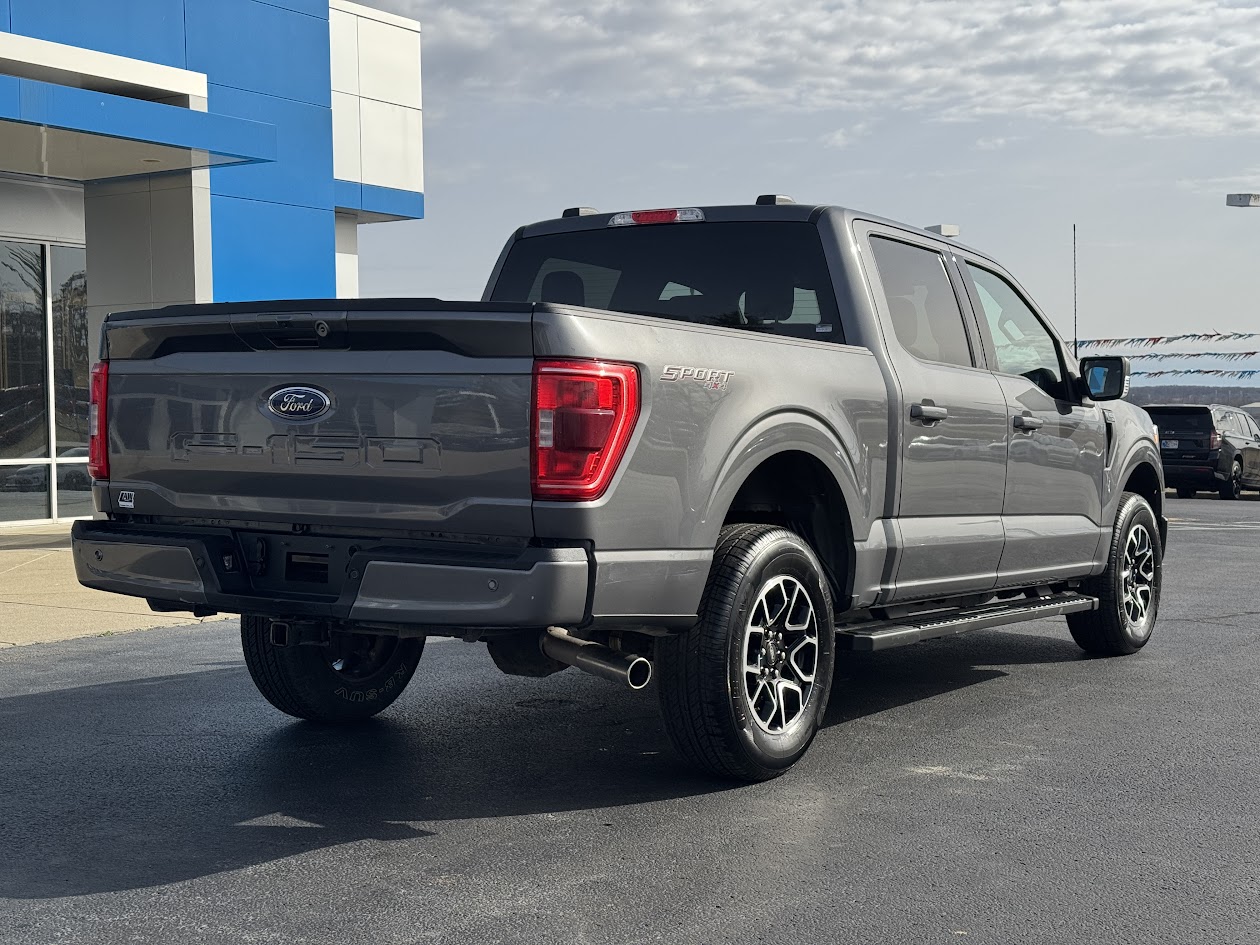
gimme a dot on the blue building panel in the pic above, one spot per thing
(316, 8)
(11, 96)
(272, 250)
(98, 113)
(140, 29)
(259, 47)
(4, 15)
(302, 172)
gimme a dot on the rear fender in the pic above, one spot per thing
(781, 433)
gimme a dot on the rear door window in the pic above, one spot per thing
(763, 276)
(921, 301)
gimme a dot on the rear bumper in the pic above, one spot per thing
(207, 570)
(1195, 476)
(1198, 470)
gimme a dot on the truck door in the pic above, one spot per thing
(951, 429)
(1052, 512)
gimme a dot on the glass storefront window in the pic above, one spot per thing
(23, 360)
(24, 492)
(74, 490)
(68, 271)
(43, 341)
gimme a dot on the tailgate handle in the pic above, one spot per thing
(286, 330)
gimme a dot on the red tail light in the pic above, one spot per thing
(1214, 441)
(584, 415)
(98, 422)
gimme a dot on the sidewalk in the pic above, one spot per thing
(41, 601)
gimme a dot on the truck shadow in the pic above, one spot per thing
(142, 783)
(869, 683)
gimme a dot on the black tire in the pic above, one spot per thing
(301, 681)
(1231, 488)
(712, 718)
(1185, 493)
(1112, 629)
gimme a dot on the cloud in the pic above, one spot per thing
(841, 138)
(1136, 66)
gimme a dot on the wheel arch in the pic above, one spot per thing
(795, 487)
(1144, 479)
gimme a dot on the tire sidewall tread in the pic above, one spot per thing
(698, 670)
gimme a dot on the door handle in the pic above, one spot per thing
(928, 413)
(1027, 424)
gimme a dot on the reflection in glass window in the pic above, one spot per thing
(23, 391)
(922, 303)
(74, 491)
(71, 355)
(1021, 342)
(24, 492)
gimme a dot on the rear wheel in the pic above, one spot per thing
(354, 677)
(1231, 488)
(1128, 591)
(743, 692)
(1184, 492)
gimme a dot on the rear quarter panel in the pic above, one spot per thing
(698, 437)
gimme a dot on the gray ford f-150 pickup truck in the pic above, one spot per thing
(712, 445)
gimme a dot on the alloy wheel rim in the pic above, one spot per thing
(780, 654)
(1137, 578)
(359, 657)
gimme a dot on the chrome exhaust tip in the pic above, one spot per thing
(596, 659)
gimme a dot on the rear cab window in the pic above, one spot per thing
(767, 276)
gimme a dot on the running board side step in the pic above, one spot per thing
(885, 634)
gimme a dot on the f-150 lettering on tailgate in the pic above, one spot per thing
(290, 449)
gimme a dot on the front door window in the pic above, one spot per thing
(1021, 342)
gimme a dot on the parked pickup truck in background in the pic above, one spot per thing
(706, 445)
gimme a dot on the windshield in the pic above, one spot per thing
(765, 276)
(1181, 419)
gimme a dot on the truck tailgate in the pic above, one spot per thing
(407, 415)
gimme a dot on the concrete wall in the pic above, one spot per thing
(148, 243)
(39, 211)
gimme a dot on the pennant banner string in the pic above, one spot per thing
(1167, 339)
(1199, 372)
(1173, 355)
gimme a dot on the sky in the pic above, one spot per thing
(1129, 118)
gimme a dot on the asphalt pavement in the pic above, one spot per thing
(993, 788)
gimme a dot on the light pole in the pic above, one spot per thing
(1242, 200)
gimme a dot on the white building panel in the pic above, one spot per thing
(347, 137)
(60, 64)
(393, 145)
(343, 31)
(389, 63)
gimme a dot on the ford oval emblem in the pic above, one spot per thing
(299, 403)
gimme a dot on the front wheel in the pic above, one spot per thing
(1184, 492)
(1128, 591)
(743, 693)
(1231, 488)
(353, 677)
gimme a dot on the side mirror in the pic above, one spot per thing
(1106, 378)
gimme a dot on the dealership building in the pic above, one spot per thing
(155, 152)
